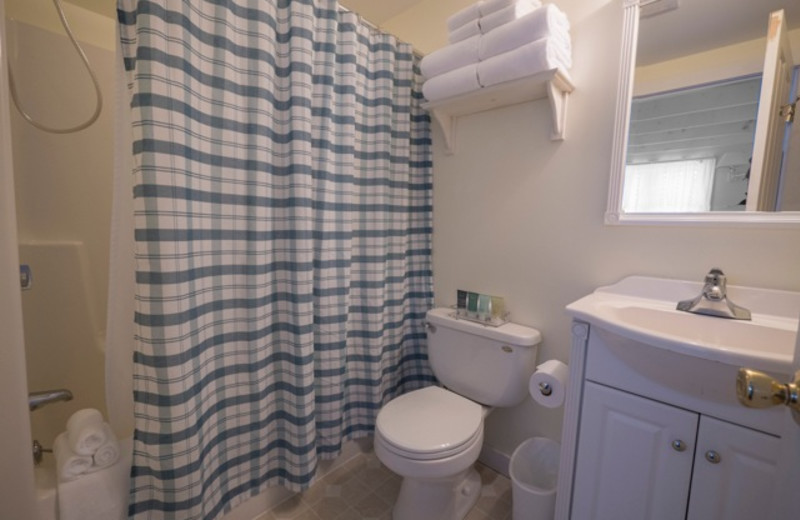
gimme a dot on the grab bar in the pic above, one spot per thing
(38, 399)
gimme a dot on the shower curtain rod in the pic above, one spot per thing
(374, 27)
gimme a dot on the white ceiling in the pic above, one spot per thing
(695, 26)
(376, 11)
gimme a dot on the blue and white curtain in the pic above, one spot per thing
(283, 242)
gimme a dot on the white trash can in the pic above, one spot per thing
(534, 472)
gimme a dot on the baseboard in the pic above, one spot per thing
(258, 507)
(495, 459)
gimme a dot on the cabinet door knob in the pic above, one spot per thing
(713, 457)
(678, 445)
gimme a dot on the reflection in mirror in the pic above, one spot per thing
(690, 150)
(695, 92)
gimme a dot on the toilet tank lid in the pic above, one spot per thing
(511, 333)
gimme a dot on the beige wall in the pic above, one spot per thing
(518, 215)
(88, 26)
(63, 199)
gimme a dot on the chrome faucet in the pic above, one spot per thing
(713, 299)
(38, 399)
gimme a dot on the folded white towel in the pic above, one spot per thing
(545, 22)
(464, 16)
(453, 83)
(507, 14)
(103, 495)
(69, 465)
(490, 6)
(450, 57)
(563, 53)
(467, 30)
(86, 432)
(525, 61)
(108, 453)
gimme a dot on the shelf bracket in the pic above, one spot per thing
(448, 124)
(558, 104)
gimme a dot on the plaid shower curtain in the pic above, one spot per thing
(282, 171)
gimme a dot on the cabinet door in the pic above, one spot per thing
(735, 474)
(627, 467)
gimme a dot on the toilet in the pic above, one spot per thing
(432, 437)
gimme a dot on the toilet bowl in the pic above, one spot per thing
(432, 436)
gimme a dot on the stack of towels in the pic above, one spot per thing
(93, 469)
(87, 446)
(494, 41)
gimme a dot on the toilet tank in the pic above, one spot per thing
(490, 365)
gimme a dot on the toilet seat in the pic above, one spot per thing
(430, 423)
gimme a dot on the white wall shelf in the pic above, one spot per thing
(553, 84)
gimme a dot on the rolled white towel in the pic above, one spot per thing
(490, 6)
(69, 465)
(545, 22)
(464, 16)
(453, 83)
(85, 431)
(102, 495)
(507, 15)
(107, 454)
(450, 57)
(525, 61)
(467, 30)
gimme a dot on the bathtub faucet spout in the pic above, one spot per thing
(38, 399)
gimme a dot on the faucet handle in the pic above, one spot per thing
(715, 285)
(715, 275)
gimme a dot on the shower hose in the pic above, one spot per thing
(98, 94)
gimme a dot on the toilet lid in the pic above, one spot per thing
(430, 421)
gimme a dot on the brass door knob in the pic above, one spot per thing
(758, 390)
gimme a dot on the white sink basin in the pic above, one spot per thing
(643, 309)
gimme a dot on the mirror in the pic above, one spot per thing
(688, 108)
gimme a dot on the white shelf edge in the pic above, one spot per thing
(553, 84)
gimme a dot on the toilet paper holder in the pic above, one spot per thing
(548, 383)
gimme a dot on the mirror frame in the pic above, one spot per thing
(619, 152)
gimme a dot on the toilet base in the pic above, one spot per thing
(438, 499)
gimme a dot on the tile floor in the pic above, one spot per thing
(363, 489)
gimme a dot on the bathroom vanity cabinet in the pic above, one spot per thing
(657, 435)
(639, 458)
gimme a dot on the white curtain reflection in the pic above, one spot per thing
(669, 187)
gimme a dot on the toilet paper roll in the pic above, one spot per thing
(548, 384)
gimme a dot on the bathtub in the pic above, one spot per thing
(46, 493)
(47, 486)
